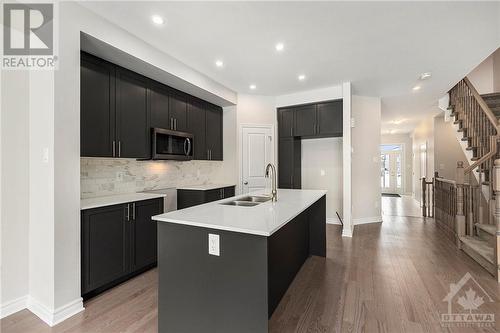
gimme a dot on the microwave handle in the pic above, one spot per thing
(187, 150)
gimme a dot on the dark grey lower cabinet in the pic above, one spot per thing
(189, 198)
(239, 290)
(117, 242)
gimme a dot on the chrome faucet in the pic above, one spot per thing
(274, 193)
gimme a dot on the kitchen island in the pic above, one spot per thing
(225, 267)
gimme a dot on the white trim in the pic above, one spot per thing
(365, 220)
(333, 220)
(13, 306)
(57, 316)
(346, 159)
(240, 148)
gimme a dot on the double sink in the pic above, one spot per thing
(248, 201)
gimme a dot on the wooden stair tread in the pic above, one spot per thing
(481, 247)
(488, 228)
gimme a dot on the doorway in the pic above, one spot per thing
(257, 150)
(391, 168)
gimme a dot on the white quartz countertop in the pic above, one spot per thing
(263, 219)
(117, 199)
(204, 187)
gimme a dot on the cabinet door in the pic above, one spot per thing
(196, 126)
(178, 111)
(144, 234)
(213, 195)
(158, 106)
(105, 246)
(229, 192)
(285, 122)
(305, 120)
(285, 163)
(132, 116)
(97, 107)
(330, 118)
(289, 163)
(214, 133)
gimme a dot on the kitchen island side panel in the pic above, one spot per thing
(199, 292)
(317, 228)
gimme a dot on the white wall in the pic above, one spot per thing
(406, 140)
(482, 76)
(422, 135)
(366, 112)
(322, 170)
(14, 190)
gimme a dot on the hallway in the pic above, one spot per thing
(391, 277)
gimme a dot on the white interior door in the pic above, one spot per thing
(257, 152)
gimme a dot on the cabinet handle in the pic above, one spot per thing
(128, 212)
(291, 131)
(114, 148)
(171, 123)
(175, 123)
(133, 211)
(119, 148)
(223, 193)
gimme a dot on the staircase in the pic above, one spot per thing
(467, 209)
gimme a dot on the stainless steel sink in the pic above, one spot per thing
(240, 203)
(248, 201)
(255, 198)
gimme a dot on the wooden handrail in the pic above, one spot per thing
(483, 105)
(489, 155)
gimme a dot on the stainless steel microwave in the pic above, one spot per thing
(171, 145)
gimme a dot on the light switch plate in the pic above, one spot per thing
(214, 244)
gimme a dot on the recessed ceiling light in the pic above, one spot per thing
(425, 76)
(301, 77)
(280, 47)
(416, 88)
(157, 19)
(219, 63)
(253, 87)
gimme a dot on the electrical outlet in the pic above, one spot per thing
(213, 244)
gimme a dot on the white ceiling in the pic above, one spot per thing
(381, 47)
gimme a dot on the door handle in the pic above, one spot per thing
(187, 150)
(245, 183)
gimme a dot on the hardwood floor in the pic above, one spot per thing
(391, 277)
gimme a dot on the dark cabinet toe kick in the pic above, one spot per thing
(238, 290)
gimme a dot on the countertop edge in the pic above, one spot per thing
(111, 200)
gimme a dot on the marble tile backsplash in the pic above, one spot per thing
(106, 176)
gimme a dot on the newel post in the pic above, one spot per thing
(496, 189)
(424, 204)
(460, 217)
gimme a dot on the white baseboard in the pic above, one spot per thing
(60, 314)
(333, 220)
(365, 220)
(13, 306)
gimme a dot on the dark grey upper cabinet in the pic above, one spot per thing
(285, 122)
(158, 104)
(305, 121)
(131, 115)
(213, 133)
(196, 123)
(178, 111)
(144, 233)
(97, 107)
(105, 246)
(329, 117)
